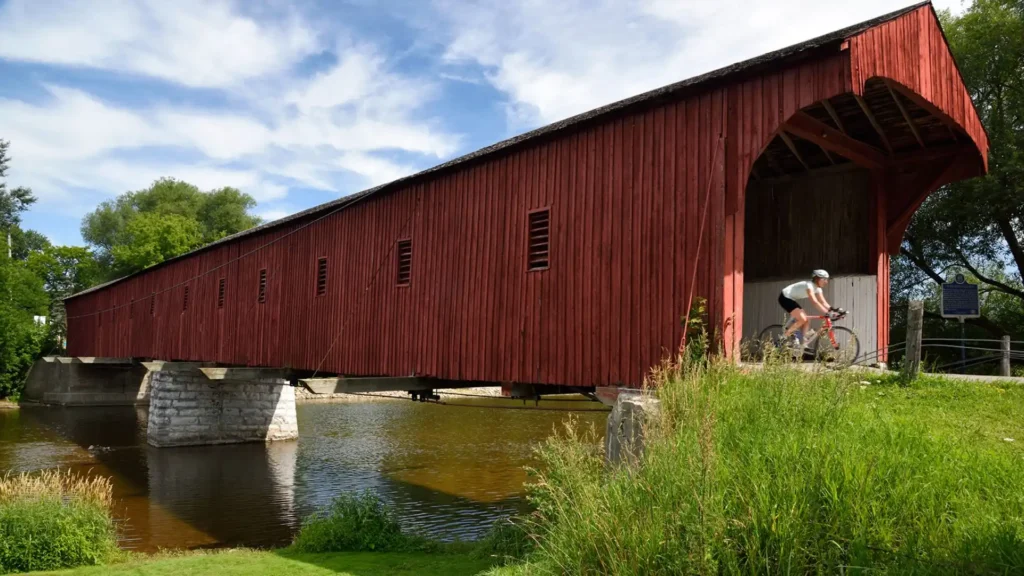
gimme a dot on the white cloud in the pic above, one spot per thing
(204, 43)
(73, 140)
(554, 60)
(281, 131)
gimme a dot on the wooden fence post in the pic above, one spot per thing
(1004, 366)
(915, 321)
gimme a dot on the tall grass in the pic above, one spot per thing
(783, 472)
(353, 523)
(54, 520)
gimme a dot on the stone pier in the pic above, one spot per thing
(187, 408)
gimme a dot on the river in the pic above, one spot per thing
(449, 471)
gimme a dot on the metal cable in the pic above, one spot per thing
(969, 340)
(968, 362)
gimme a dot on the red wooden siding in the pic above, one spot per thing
(626, 195)
(912, 50)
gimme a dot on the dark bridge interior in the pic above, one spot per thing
(886, 127)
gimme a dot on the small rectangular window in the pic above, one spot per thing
(220, 293)
(152, 304)
(538, 252)
(321, 276)
(184, 301)
(263, 286)
(131, 309)
(404, 262)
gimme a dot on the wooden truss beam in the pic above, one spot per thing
(835, 117)
(792, 148)
(923, 102)
(806, 127)
(874, 122)
(906, 115)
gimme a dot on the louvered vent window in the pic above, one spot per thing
(538, 254)
(152, 304)
(404, 262)
(131, 309)
(321, 276)
(263, 286)
(220, 293)
(184, 301)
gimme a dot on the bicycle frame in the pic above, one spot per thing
(826, 327)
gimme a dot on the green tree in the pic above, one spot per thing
(171, 217)
(64, 270)
(12, 202)
(151, 238)
(24, 243)
(977, 226)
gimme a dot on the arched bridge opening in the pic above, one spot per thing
(835, 188)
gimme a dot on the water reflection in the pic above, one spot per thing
(449, 471)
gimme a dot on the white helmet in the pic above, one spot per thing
(819, 274)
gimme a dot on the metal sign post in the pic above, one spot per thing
(959, 300)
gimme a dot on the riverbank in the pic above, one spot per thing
(286, 563)
(8, 405)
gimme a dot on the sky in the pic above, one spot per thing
(300, 102)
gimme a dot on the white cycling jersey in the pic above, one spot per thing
(798, 290)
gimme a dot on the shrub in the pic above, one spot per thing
(788, 472)
(352, 523)
(54, 520)
(507, 541)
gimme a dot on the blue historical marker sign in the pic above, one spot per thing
(960, 299)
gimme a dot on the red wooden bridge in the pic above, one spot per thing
(570, 254)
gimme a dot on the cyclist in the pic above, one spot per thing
(790, 299)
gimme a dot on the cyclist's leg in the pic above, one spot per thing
(800, 321)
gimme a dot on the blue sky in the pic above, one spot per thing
(300, 102)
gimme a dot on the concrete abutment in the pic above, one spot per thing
(187, 408)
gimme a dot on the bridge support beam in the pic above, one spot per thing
(186, 408)
(86, 381)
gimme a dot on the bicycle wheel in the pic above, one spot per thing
(770, 338)
(845, 351)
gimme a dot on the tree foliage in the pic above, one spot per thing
(142, 228)
(64, 270)
(977, 226)
(22, 294)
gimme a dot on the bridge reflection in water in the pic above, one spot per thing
(449, 471)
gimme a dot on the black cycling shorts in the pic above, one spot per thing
(788, 304)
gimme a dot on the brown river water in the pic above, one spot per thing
(449, 471)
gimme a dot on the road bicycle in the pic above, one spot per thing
(829, 343)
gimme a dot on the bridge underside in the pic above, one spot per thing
(198, 403)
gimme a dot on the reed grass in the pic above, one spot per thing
(54, 519)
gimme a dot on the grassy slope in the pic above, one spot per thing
(256, 563)
(787, 472)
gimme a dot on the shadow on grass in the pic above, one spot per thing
(443, 563)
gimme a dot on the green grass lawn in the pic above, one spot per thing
(256, 563)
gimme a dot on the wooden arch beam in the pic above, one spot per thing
(902, 203)
(806, 127)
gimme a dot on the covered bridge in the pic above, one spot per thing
(567, 255)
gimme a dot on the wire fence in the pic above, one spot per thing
(995, 354)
